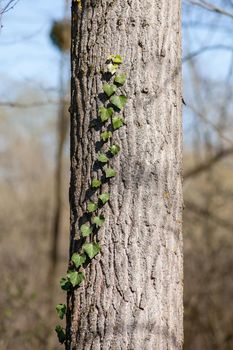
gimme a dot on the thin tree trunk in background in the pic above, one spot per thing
(62, 127)
(132, 297)
(61, 138)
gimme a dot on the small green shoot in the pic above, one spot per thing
(75, 277)
(109, 89)
(91, 207)
(117, 122)
(86, 230)
(106, 135)
(102, 158)
(114, 149)
(109, 172)
(95, 183)
(61, 310)
(91, 249)
(119, 101)
(120, 79)
(104, 197)
(105, 113)
(98, 221)
(78, 259)
(60, 334)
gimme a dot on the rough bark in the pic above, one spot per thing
(132, 295)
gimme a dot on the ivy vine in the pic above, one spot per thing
(110, 120)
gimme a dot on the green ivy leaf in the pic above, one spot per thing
(86, 230)
(105, 135)
(114, 149)
(91, 207)
(91, 249)
(109, 172)
(61, 310)
(117, 122)
(75, 277)
(60, 334)
(65, 284)
(115, 59)
(98, 220)
(109, 89)
(105, 113)
(112, 68)
(102, 158)
(119, 101)
(104, 197)
(95, 183)
(78, 259)
(120, 79)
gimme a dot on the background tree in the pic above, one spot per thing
(29, 106)
(132, 294)
(60, 36)
(208, 184)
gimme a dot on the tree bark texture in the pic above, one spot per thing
(132, 297)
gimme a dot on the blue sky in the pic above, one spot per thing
(26, 54)
(203, 28)
(29, 65)
(29, 62)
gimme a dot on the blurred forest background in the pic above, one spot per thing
(34, 160)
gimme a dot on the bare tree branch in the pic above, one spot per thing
(199, 169)
(9, 6)
(206, 48)
(199, 211)
(210, 7)
(28, 105)
(22, 39)
(209, 122)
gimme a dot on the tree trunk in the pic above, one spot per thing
(132, 294)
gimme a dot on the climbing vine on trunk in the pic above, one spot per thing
(110, 119)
